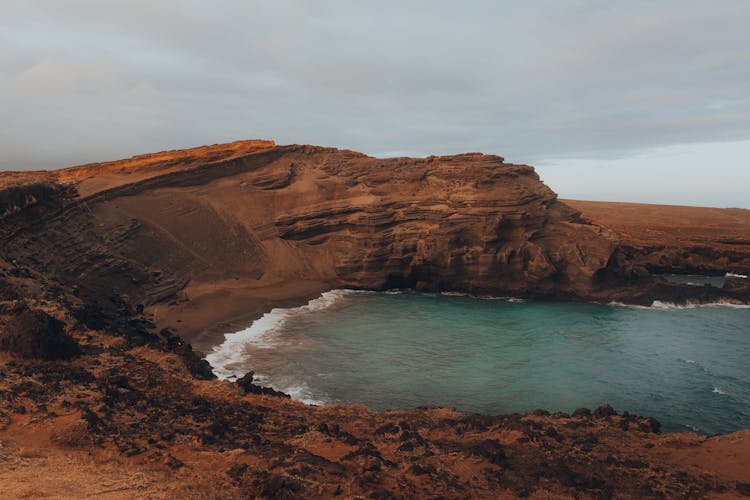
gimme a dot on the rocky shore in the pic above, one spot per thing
(121, 411)
(106, 269)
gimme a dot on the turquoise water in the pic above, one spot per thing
(689, 368)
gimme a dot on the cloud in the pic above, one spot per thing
(531, 81)
(713, 174)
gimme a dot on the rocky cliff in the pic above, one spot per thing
(665, 238)
(180, 225)
(220, 232)
(100, 264)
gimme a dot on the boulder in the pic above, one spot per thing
(35, 334)
(245, 383)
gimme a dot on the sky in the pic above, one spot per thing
(629, 101)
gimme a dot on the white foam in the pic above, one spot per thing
(733, 275)
(658, 305)
(719, 391)
(512, 300)
(301, 392)
(694, 428)
(229, 359)
(626, 306)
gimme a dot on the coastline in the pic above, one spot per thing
(225, 356)
(267, 345)
(205, 243)
(211, 311)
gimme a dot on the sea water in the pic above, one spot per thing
(688, 367)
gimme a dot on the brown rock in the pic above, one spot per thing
(35, 334)
(245, 383)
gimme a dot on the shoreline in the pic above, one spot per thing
(212, 311)
(228, 362)
(207, 334)
(218, 311)
(224, 355)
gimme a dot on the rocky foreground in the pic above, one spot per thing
(105, 268)
(89, 407)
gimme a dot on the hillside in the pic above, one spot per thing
(106, 270)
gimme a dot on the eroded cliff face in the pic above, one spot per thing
(223, 233)
(469, 223)
(464, 223)
(666, 238)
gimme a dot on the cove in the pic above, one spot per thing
(687, 367)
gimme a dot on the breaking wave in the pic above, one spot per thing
(658, 305)
(734, 275)
(229, 359)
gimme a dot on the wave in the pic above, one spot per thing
(403, 291)
(734, 275)
(229, 359)
(302, 392)
(659, 305)
(624, 305)
(299, 391)
(512, 300)
(719, 391)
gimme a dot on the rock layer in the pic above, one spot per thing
(470, 223)
(664, 238)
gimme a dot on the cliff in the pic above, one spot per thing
(190, 225)
(665, 238)
(117, 261)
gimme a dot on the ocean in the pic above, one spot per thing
(689, 367)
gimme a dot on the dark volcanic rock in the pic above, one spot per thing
(604, 411)
(620, 271)
(198, 367)
(248, 387)
(35, 334)
(581, 413)
(16, 199)
(650, 424)
(737, 284)
(7, 291)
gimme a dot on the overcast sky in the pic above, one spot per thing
(628, 100)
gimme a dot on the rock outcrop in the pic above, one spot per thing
(469, 223)
(675, 239)
(35, 334)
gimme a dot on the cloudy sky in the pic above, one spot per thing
(631, 100)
